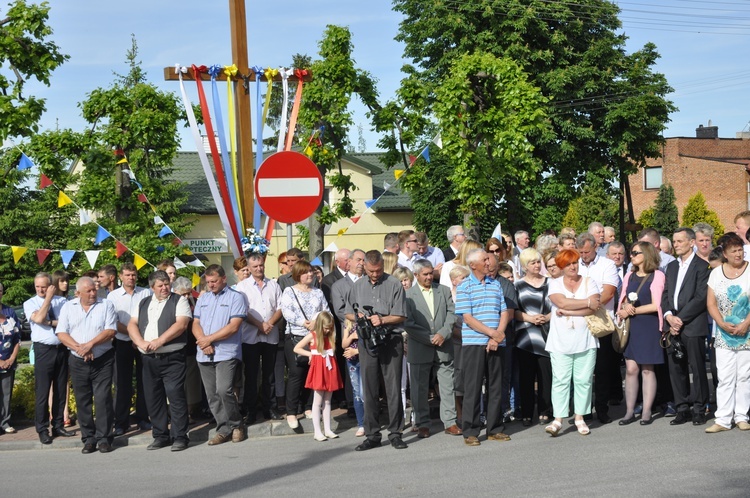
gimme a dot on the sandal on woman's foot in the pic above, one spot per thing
(553, 429)
(583, 429)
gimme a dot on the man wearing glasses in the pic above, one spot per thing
(407, 241)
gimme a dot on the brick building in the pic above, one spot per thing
(717, 167)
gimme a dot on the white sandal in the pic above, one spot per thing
(553, 429)
(583, 429)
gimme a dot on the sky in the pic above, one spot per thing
(703, 47)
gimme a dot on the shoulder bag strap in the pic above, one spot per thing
(300, 305)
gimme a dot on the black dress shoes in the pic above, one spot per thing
(368, 444)
(604, 419)
(158, 444)
(398, 443)
(272, 415)
(105, 448)
(45, 438)
(699, 419)
(61, 432)
(88, 448)
(627, 421)
(682, 418)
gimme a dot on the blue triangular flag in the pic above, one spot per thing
(25, 162)
(67, 256)
(165, 230)
(368, 204)
(426, 153)
(101, 235)
(316, 262)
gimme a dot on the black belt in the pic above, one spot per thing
(160, 356)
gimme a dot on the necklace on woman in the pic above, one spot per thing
(738, 271)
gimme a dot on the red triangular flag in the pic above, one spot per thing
(42, 254)
(142, 198)
(120, 249)
(44, 182)
(119, 152)
(412, 159)
(355, 219)
(176, 241)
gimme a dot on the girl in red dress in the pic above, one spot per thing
(323, 376)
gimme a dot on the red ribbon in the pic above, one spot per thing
(215, 155)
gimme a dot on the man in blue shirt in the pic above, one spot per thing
(218, 315)
(480, 300)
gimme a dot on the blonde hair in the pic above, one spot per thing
(459, 271)
(323, 321)
(466, 247)
(390, 262)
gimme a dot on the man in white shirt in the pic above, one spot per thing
(158, 328)
(523, 241)
(741, 226)
(407, 241)
(126, 300)
(87, 325)
(260, 338)
(704, 239)
(608, 385)
(51, 358)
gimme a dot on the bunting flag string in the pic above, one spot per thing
(25, 163)
(67, 256)
(232, 233)
(18, 253)
(92, 256)
(42, 255)
(44, 181)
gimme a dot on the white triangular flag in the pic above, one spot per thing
(158, 220)
(331, 248)
(438, 140)
(195, 262)
(92, 256)
(84, 216)
(178, 263)
(386, 185)
(498, 232)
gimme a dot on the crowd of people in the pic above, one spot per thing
(499, 331)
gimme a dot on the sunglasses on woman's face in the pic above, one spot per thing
(635, 253)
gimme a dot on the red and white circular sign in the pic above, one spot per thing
(288, 187)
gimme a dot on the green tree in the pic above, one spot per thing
(325, 107)
(646, 219)
(696, 211)
(25, 53)
(665, 211)
(606, 108)
(597, 202)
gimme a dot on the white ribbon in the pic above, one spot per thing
(285, 74)
(206, 167)
(327, 354)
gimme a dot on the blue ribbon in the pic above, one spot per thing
(259, 137)
(215, 71)
(165, 231)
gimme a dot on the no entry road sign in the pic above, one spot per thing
(288, 187)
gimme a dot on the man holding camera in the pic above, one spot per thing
(684, 307)
(386, 296)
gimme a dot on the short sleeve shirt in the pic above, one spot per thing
(732, 300)
(43, 333)
(215, 310)
(483, 300)
(262, 302)
(570, 334)
(603, 271)
(126, 305)
(386, 296)
(84, 326)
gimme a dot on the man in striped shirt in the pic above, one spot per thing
(480, 300)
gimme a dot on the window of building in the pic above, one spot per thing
(652, 178)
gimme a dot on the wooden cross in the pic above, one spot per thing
(244, 151)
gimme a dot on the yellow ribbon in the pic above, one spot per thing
(231, 72)
(269, 73)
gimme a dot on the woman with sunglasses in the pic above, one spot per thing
(640, 300)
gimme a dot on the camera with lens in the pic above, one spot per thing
(372, 336)
(678, 349)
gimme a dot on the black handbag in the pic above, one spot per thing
(300, 360)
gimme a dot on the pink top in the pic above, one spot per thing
(657, 289)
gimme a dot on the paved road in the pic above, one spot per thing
(633, 461)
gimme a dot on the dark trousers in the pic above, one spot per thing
(534, 368)
(92, 387)
(477, 363)
(607, 376)
(679, 373)
(50, 369)
(388, 361)
(297, 397)
(164, 379)
(125, 356)
(664, 392)
(260, 356)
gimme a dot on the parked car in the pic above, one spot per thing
(24, 323)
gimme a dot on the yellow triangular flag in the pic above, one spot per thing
(397, 173)
(18, 252)
(308, 151)
(124, 160)
(342, 232)
(187, 251)
(196, 280)
(63, 199)
(139, 262)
